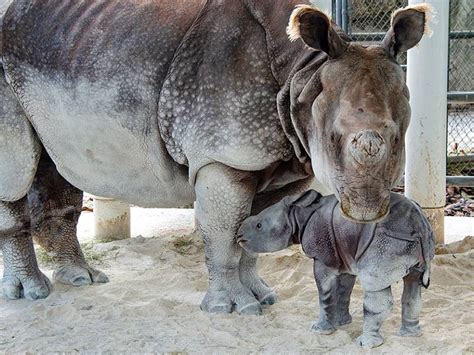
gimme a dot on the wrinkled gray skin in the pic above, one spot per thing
(401, 246)
(165, 102)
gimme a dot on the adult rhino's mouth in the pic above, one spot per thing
(361, 210)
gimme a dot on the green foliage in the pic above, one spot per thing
(92, 256)
(188, 244)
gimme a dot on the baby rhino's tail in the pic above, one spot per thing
(428, 248)
(427, 241)
(425, 279)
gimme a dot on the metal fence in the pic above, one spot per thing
(461, 86)
(368, 20)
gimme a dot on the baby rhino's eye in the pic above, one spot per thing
(259, 225)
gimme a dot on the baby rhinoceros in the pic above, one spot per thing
(399, 246)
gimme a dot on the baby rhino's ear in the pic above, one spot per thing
(304, 199)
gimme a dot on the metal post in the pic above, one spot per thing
(345, 16)
(111, 219)
(339, 12)
(426, 136)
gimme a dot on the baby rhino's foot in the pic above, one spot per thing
(323, 327)
(410, 330)
(370, 341)
(344, 319)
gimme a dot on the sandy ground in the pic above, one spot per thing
(157, 281)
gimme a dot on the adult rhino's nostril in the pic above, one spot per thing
(367, 147)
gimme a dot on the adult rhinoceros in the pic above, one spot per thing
(163, 102)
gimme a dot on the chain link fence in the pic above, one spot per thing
(368, 20)
(461, 80)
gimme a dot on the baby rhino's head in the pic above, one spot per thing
(277, 227)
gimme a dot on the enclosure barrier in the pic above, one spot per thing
(111, 219)
(427, 81)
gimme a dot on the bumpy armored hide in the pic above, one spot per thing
(208, 113)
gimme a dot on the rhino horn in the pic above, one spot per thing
(368, 147)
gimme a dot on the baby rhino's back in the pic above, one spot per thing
(404, 239)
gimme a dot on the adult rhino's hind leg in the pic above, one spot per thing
(19, 155)
(55, 206)
(21, 275)
(224, 199)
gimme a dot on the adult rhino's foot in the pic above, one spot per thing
(370, 341)
(31, 287)
(21, 275)
(79, 275)
(264, 294)
(249, 278)
(239, 299)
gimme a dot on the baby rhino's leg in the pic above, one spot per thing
(377, 307)
(326, 280)
(411, 305)
(345, 284)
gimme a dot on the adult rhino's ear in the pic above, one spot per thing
(304, 199)
(407, 28)
(314, 27)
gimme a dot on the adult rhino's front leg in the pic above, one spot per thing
(21, 275)
(55, 207)
(250, 278)
(224, 198)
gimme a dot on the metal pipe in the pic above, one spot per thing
(463, 96)
(339, 13)
(378, 36)
(426, 136)
(461, 181)
(345, 16)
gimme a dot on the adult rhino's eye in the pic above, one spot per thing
(259, 225)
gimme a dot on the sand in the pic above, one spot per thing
(151, 304)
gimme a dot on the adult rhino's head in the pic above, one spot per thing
(350, 113)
